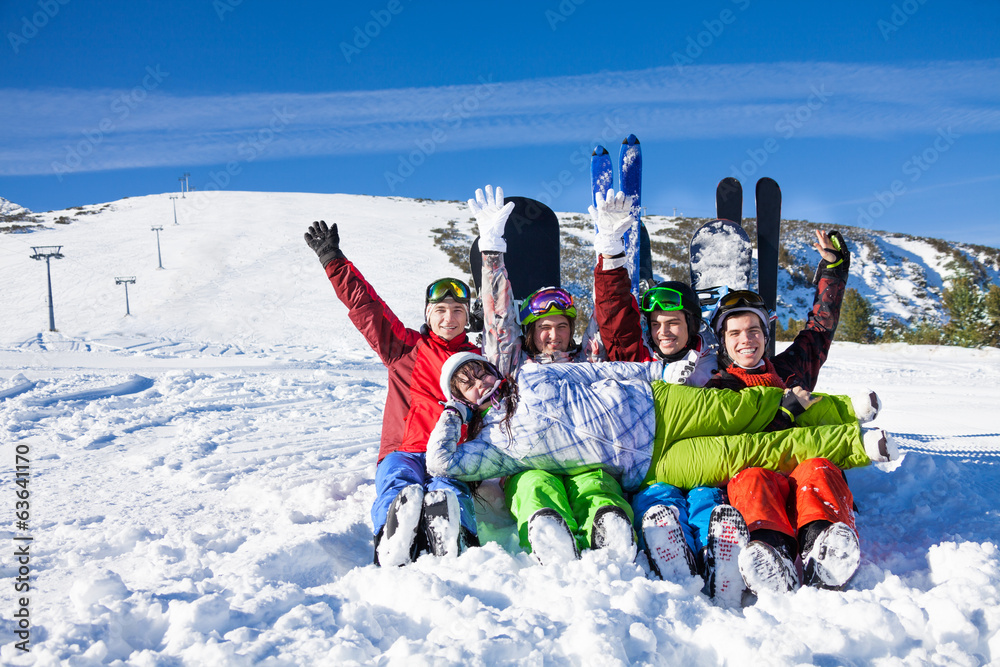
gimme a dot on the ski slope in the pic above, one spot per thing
(201, 474)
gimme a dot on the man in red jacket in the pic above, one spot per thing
(406, 498)
(807, 513)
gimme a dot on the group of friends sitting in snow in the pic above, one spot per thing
(714, 460)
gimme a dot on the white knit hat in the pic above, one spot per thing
(451, 365)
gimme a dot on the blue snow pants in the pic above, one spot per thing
(401, 469)
(694, 506)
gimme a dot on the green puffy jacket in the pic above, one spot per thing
(687, 453)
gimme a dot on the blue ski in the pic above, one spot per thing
(631, 179)
(602, 175)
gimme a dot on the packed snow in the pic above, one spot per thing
(201, 474)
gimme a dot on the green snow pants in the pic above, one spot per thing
(576, 497)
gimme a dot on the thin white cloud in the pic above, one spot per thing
(929, 188)
(51, 131)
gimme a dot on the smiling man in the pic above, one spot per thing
(447, 318)
(548, 316)
(808, 512)
(744, 340)
(741, 323)
(409, 504)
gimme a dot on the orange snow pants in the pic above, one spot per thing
(814, 490)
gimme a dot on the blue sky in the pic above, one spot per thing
(879, 114)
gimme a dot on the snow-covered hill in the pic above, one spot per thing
(9, 208)
(901, 276)
(201, 473)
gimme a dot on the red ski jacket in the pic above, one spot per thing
(413, 358)
(618, 316)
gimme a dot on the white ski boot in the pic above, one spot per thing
(727, 538)
(550, 538)
(613, 531)
(398, 542)
(668, 552)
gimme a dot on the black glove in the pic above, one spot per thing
(791, 405)
(476, 323)
(325, 242)
(839, 266)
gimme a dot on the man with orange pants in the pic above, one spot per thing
(810, 511)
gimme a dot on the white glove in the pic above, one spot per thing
(613, 216)
(491, 214)
(463, 411)
(678, 372)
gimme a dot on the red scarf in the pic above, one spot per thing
(762, 376)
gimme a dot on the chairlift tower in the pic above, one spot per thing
(48, 252)
(159, 257)
(173, 198)
(125, 280)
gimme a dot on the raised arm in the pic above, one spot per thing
(501, 332)
(800, 363)
(615, 309)
(384, 331)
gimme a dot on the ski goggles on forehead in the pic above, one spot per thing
(743, 298)
(661, 298)
(439, 290)
(546, 301)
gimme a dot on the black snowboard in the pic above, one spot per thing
(729, 200)
(768, 196)
(532, 257)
